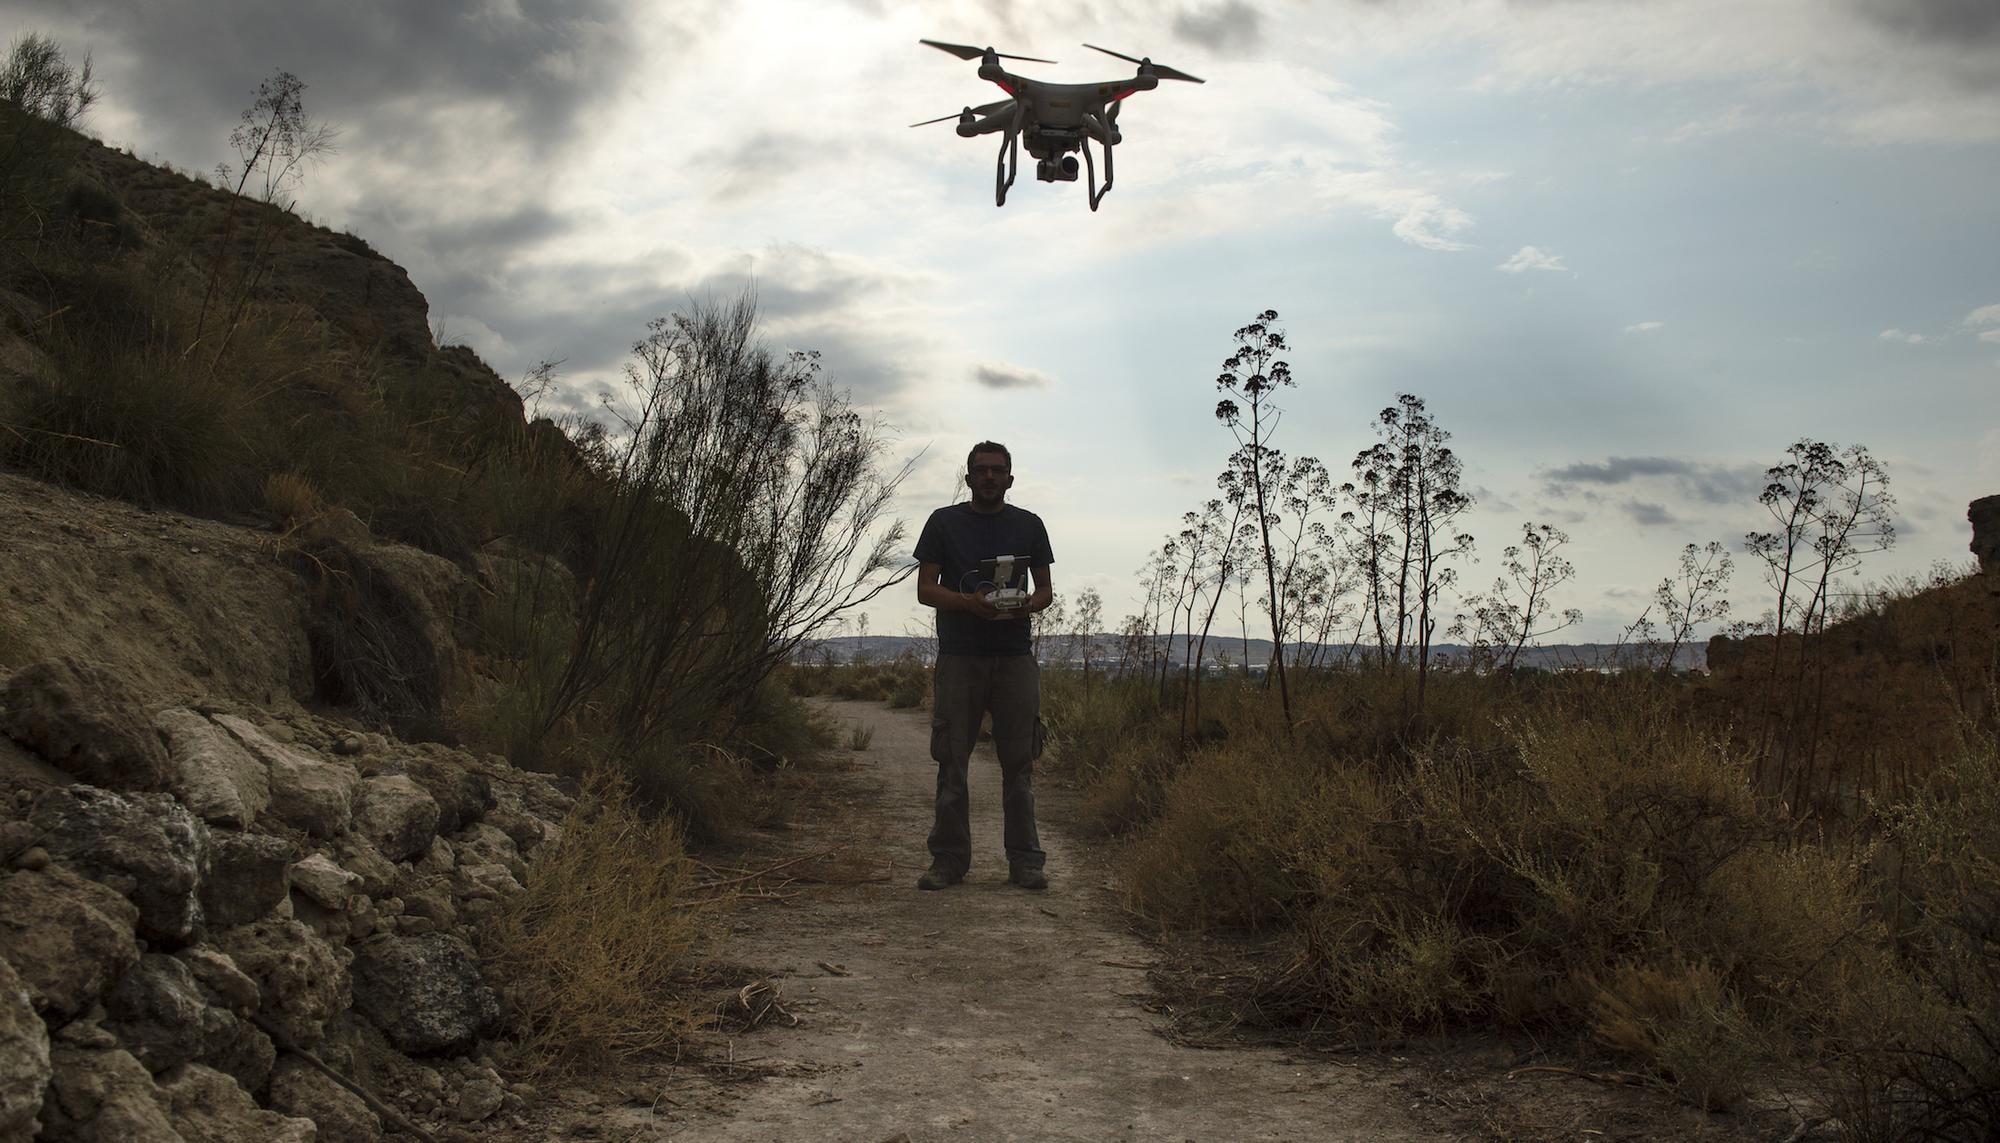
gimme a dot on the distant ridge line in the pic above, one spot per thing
(1105, 646)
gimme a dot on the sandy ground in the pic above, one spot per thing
(985, 1012)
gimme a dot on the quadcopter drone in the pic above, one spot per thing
(1053, 119)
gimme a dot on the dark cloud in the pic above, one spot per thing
(1647, 514)
(1008, 377)
(1964, 23)
(1963, 36)
(426, 75)
(1713, 483)
(1493, 501)
(1232, 27)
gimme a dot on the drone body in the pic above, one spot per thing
(1051, 120)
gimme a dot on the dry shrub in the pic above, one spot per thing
(902, 682)
(365, 628)
(1593, 863)
(122, 414)
(292, 498)
(1919, 1048)
(1220, 853)
(595, 953)
(1682, 1022)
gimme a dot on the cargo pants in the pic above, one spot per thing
(963, 688)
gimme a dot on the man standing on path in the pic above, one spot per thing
(985, 662)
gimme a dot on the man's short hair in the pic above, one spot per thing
(990, 446)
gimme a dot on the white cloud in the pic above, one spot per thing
(1428, 223)
(1645, 326)
(462, 329)
(1723, 123)
(1985, 319)
(1532, 258)
(1902, 338)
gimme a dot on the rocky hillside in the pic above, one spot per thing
(234, 904)
(212, 891)
(219, 907)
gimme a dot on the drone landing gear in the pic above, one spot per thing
(1097, 193)
(1005, 167)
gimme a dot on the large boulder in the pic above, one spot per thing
(100, 1093)
(146, 846)
(424, 992)
(24, 1057)
(297, 1088)
(210, 772)
(463, 795)
(69, 938)
(398, 815)
(304, 980)
(161, 1015)
(85, 720)
(246, 877)
(307, 791)
(203, 1103)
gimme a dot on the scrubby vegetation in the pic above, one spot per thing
(594, 953)
(1614, 858)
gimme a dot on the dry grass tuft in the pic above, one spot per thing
(1682, 1023)
(292, 498)
(596, 954)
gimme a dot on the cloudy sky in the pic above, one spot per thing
(1626, 252)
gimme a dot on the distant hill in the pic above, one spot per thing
(1232, 652)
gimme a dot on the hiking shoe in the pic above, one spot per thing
(1027, 878)
(939, 876)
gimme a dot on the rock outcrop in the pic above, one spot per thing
(299, 885)
(1985, 516)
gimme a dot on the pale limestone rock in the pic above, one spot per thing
(325, 882)
(307, 792)
(210, 772)
(398, 815)
(303, 979)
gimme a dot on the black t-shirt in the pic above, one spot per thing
(957, 539)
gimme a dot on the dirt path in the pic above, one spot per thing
(985, 1012)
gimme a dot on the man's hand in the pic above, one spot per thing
(976, 603)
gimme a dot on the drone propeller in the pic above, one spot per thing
(1161, 70)
(967, 52)
(983, 109)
